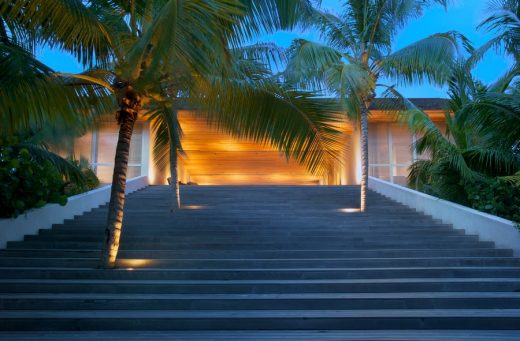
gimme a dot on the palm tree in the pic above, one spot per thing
(158, 38)
(480, 142)
(357, 54)
(125, 57)
(135, 49)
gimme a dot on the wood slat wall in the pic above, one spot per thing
(215, 157)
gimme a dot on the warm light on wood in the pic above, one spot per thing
(216, 158)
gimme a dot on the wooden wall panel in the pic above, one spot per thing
(216, 158)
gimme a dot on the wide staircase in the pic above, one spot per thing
(261, 263)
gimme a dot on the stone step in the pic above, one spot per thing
(288, 245)
(339, 225)
(269, 335)
(280, 233)
(193, 239)
(260, 286)
(262, 254)
(68, 258)
(325, 301)
(487, 319)
(80, 260)
(149, 273)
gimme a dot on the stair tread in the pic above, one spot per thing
(263, 281)
(258, 314)
(253, 296)
(262, 335)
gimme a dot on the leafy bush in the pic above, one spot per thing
(496, 196)
(25, 183)
(89, 181)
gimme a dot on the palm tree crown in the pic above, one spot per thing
(358, 53)
(148, 54)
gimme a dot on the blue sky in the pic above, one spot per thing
(462, 16)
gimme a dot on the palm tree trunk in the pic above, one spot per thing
(127, 116)
(174, 179)
(364, 157)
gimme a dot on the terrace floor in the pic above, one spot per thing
(260, 263)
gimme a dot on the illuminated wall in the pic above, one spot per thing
(213, 157)
(216, 158)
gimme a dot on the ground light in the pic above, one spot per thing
(130, 264)
(193, 207)
(350, 210)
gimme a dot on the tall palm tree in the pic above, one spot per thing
(134, 48)
(142, 39)
(153, 39)
(357, 54)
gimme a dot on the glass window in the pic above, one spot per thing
(102, 144)
(106, 143)
(136, 146)
(392, 163)
(83, 147)
(401, 144)
(104, 173)
(381, 172)
(378, 143)
(400, 175)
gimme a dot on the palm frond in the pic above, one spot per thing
(491, 160)
(62, 24)
(189, 33)
(349, 80)
(32, 95)
(268, 16)
(503, 83)
(294, 122)
(266, 53)
(497, 115)
(505, 22)
(168, 133)
(335, 31)
(429, 59)
(308, 62)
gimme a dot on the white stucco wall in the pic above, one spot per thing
(489, 227)
(43, 218)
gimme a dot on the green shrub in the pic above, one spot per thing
(25, 183)
(90, 180)
(496, 196)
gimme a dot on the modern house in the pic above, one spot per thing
(213, 157)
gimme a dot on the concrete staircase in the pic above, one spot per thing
(262, 258)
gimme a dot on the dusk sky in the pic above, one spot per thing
(462, 16)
